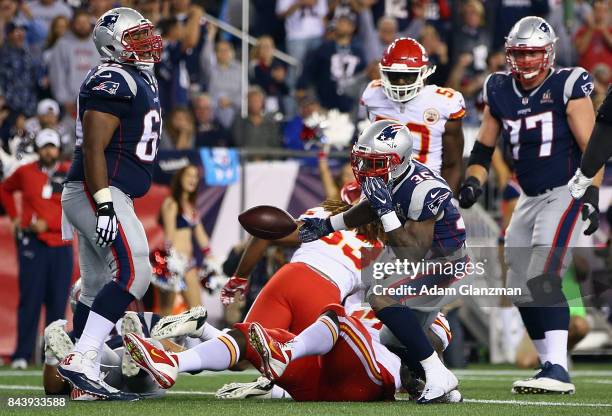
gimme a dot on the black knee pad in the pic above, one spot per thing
(546, 290)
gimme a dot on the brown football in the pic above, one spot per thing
(267, 222)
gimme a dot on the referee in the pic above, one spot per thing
(45, 260)
(595, 156)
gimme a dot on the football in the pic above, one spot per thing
(267, 222)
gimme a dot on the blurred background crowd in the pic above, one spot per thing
(307, 58)
(332, 49)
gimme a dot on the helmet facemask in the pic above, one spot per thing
(401, 83)
(535, 67)
(367, 164)
(142, 45)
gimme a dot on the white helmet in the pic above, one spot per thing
(383, 149)
(531, 34)
(124, 36)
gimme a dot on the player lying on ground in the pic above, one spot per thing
(352, 365)
(420, 221)
(546, 116)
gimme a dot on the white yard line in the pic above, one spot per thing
(533, 403)
(519, 373)
(477, 401)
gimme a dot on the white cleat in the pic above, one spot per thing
(80, 370)
(19, 364)
(551, 379)
(189, 323)
(453, 396)
(259, 389)
(436, 390)
(57, 341)
(130, 325)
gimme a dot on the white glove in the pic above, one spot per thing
(578, 184)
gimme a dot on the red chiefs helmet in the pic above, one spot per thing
(403, 69)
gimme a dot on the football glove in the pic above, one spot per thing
(590, 209)
(579, 184)
(314, 228)
(469, 192)
(377, 192)
(235, 285)
(107, 225)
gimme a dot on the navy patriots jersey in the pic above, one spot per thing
(535, 126)
(422, 195)
(133, 97)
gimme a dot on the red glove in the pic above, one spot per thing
(233, 286)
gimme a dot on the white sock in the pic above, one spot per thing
(279, 393)
(216, 354)
(96, 330)
(432, 366)
(210, 332)
(318, 339)
(556, 346)
(541, 348)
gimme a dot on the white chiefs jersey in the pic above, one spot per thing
(337, 255)
(425, 116)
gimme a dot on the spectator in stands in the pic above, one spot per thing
(45, 260)
(594, 40)
(47, 10)
(417, 20)
(19, 12)
(71, 58)
(224, 78)
(97, 8)
(602, 76)
(270, 74)
(179, 129)
(150, 9)
(257, 129)
(304, 28)
(47, 117)
(190, 17)
(209, 132)
(334, 67)
(502, 15)
(294, 130)
(438, 55)
(471, 38)
(171, 71)
(182, 228)
(376, 43)
(59, 27)
(18, 71)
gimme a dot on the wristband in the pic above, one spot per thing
(103, 195)
(337, 222)
(390, 221)
(205, 251)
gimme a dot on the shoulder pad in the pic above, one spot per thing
(113, 82)
(492, 82)
(578, 84)
(429, 199)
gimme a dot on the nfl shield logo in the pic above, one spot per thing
(525, 100)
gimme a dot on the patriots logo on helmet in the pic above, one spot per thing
(544, 27)
(388, 134)
(108, 86)
(109, 21)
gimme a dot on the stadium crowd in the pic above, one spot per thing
(46, 50)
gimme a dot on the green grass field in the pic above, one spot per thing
(486, 390)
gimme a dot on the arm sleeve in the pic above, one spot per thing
(579, 84)
(10, 185)
(599, 149)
